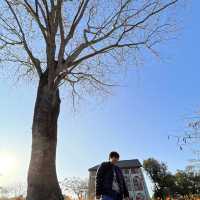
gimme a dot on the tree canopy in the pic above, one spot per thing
(87, 39)
(182, 183)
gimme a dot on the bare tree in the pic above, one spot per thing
(14, 191)
(78, 43)
(17, 190)
(76, 187)
(191, 139)
(4, 192)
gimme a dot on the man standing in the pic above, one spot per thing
(110, 183)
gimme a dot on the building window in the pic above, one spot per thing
(138, 183)
(126, 171)
(128, 182)
(93, 173)
(134, 170)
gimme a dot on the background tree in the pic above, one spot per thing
(17, 190)
(188, 182)
(14, 191)
(191, 138)
(160, 176)
(4, 193)
(78, 44)
(182, 184)
(76, 187)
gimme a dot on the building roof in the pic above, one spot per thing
(122, 164)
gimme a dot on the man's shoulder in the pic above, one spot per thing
(105, 164)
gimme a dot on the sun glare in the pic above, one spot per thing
(8, 164)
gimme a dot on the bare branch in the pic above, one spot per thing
(64, 40)
(35, 61)
(77, 39)
(122, 29)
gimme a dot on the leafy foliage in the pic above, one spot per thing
(182, 183)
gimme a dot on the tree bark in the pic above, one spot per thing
(42, 178)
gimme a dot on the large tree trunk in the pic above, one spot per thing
(42, 177)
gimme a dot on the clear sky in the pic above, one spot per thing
(135, 121)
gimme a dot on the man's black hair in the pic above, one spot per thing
(113, 154)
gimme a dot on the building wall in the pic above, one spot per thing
(91, 186)
(134, 180)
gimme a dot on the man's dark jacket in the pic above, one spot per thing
(104, 180)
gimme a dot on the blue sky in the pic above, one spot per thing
(136, 120)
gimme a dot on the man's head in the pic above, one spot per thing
(113, 157)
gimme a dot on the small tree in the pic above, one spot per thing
(76, 187)
(78, 43)
(4, 192)
(17, 190)
(163, 180)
